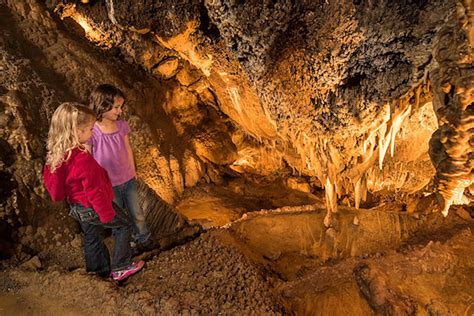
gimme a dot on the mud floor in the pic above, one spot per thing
(205, 276)
(234, 270)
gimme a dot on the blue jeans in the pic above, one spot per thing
(126, 196)
(95, 251)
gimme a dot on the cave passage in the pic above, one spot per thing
(306, 158)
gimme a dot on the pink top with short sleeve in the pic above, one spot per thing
(110, 151)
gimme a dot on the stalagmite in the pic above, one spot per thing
(111, 11)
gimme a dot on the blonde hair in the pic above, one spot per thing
(62, 136)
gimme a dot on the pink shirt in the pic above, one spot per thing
(110, 152)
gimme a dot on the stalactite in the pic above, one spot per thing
(364, 175)
(357, 192)
(331, 197)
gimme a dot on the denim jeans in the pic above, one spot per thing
(126, 196)
(95, 251)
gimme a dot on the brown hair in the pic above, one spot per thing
(102, 99)
(62, 136)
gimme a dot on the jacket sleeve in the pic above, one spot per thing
(55, 183)
(95, 188)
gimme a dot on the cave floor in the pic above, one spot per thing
(248, 266)
(215, 206)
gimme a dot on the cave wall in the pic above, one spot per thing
(345, 94)
(46, 61)
(326, 87)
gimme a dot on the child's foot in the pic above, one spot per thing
(140, 248)
(128, 271)
(148, 245)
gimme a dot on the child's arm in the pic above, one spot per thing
(54, 183)
(129, 150)
(97, 192)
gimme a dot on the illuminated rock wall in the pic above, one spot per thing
(340, 93)
(325, 87)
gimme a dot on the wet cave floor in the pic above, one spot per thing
(275, 260)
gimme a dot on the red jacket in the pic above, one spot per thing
(82, 180)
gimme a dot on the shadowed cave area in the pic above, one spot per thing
(293, 157)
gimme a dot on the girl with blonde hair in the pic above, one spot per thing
(72, 174)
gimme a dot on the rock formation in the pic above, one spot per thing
(451, 146)
(306, 143)
(220, 89)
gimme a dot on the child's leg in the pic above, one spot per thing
(142, 233)
(95, 251)
(119, 195)
(120, 200)
(121, 231)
